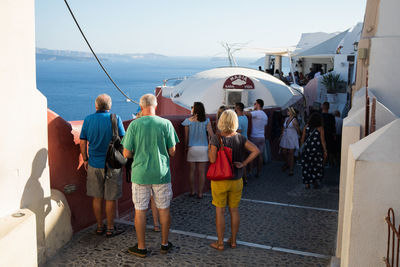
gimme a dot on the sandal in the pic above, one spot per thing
(156, 228)
(231, 244)
(219, 247)
(137, 251)
(100, 230)
(114, 232)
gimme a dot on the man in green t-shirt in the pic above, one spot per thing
(151, 141)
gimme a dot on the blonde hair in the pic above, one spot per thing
(148, 100)
(292, 111)
(228, 122)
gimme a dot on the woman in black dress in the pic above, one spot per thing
(314, 151)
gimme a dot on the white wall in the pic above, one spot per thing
(24, 175)
(24, 171)
(372, 187)
(384, 72)
(341, 66)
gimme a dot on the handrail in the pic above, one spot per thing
(391, 243)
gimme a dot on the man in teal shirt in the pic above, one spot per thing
(151, 141)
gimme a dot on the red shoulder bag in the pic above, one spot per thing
(221, 169)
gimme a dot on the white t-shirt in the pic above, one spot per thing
(258, 120)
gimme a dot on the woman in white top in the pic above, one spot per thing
(196, 145)
(289, 139)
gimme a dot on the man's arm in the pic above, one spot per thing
(127, 154)
(172, 151)
(83, 148)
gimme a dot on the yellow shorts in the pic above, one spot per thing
(226, 191)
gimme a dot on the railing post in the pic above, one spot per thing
(391, 221)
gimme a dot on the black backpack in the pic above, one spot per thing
(115, 158)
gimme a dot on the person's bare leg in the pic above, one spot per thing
(154, 212)
(140, 226)
(220, 224)
(202, 177)
(191, 176)
(259, 164)
(285, 157)
(235, 221)
(98, 210)
(290, 160)
(110, 213)
(165, 220)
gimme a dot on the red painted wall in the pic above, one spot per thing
(166, 107)
(66, 166)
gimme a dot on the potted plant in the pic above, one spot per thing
(331, 82)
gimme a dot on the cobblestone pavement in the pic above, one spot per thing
(282, 224)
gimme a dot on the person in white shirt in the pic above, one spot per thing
(257, 136)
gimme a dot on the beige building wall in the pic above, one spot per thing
(24, 170)
(373, 182)
(370, 171)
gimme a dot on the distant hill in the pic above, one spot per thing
(43, 54)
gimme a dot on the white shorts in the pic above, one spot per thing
(162, 194)
(197, 154)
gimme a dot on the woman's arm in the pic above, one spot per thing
(212, 153)
(303, 136)
(322, 134)
(253, 154)
(186, 136)
(209, 130)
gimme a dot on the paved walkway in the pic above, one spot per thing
(282, 224)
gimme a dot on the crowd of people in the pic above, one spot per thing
(320, 143)
(299, 77)
(151, 141)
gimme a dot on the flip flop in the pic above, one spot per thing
(100, 230)
(231, 244)
(217, 246)
(285, 167)
(114, 232)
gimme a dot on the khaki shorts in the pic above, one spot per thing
(109, 188)
(226, 191)
(162, 194)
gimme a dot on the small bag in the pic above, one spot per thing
(115, 158)
(221, 169)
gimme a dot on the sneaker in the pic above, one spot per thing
(137, 251)
(165, 249)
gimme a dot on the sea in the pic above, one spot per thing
(71, 87)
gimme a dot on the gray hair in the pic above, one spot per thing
(148, 100)
(103, 102)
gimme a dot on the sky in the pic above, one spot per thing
(189, 27)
